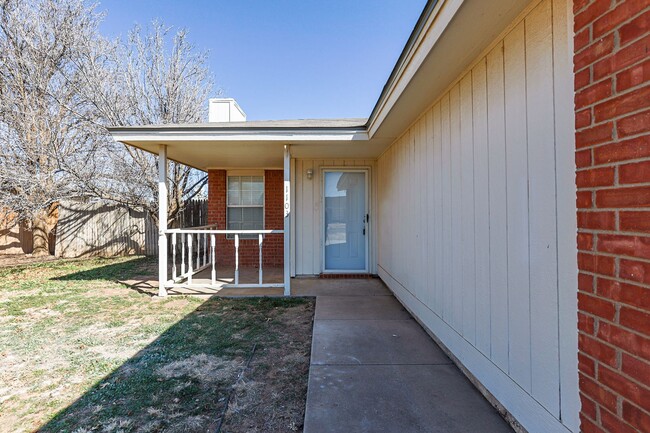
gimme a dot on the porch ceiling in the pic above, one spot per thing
(254, 144)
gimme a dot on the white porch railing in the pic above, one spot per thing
(193, 250)
(187, 270)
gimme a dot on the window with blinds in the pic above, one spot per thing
(245, 204)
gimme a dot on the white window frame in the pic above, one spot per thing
(244, 173)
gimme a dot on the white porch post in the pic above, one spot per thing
(287, 220)
(162, 220)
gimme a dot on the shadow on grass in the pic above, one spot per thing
(111, 271)
(180, 381)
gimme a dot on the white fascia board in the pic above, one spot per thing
(289, 135)
(437, 22)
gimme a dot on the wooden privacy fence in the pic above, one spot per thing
(103, 229)
(107, 229)
(194, 214)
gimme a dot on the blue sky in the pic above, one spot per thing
(287, 59)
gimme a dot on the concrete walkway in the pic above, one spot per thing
(374, 369)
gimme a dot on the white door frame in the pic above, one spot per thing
(355, 169)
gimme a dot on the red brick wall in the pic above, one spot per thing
(612, 72)
(273, 246)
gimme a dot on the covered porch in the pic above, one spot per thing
(225, 254)
(188, 257)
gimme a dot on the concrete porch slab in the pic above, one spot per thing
(225, 275)
(333, 287)
(359, 308)
(373, 342)
(397, 398)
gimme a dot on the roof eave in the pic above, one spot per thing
(171, 134)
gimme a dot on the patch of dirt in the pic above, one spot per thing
(106, 292)
(271, 395)
(10, 419)
(40, 313)
(176, 303)
(7, 260)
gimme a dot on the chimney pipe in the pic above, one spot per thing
(225, 110)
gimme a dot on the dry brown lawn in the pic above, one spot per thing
(80, 352)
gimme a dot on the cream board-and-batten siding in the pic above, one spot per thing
(476, 220)
(309, 211)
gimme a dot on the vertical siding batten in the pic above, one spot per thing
(294, 217)
(517, 193)
(311, 224)
(302, 216)
(430, 213)
(456, 208)
(468, 250)
(542, 211)
(423, 217)
(412, 231)
(481, 207)
(438, 209)
(499, 308)
(447, 212)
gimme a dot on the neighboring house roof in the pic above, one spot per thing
(448, 37)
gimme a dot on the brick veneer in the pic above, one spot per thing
(612, 72)
(273, 246)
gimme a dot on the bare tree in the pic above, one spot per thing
(44, 123)
(61, 84)
(147, 80)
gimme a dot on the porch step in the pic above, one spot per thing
(347, 276)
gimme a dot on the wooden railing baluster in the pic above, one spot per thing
(183, 236)
(189, 258)
(236, 259)
(260, 246)
(203, 242)
(173, 256)
(205, 249)
(213, 239)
